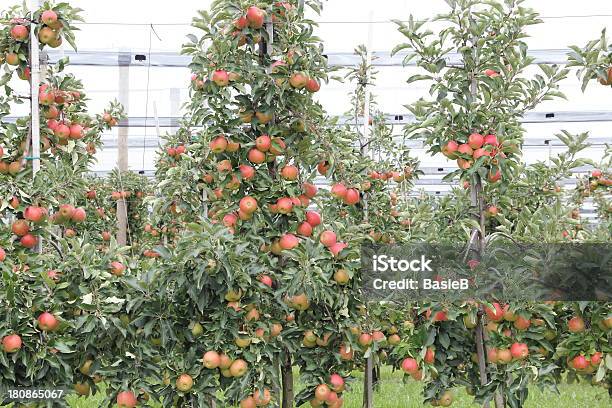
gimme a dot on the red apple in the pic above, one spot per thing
(220, 77)
(126, 399)
(263, 143)
(20, 32)
(410, 365)
(351, 197)
(289, 172)
(48, 17)
(576, 324)
(339, 190)
(310, 190)
(304, 229)
(248, 205)
(313, 218)
(496, 313)
(255, 16)
(312, 85)
(475, 140)
(327, 238)
(256, 156)
(47, 322)
(11, 343)
(289, 241)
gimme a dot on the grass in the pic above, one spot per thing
(393, 393)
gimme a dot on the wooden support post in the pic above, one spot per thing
(368, 388)
(122, 144)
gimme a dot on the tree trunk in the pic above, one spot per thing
(287, 374)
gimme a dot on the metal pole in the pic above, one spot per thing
(34, 84)
(122, 144)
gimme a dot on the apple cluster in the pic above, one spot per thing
(476, 147)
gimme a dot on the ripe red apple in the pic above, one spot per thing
(248, 205)
(284, 205)
(304, 229)
(47, 322)
(576, 324)
(289, 241)
(339, 190)
(337, 382)
(266, 280)
(596, 358)
(220, 77)
(475, 140)
(450, 149)
(298, 80)
(256, 156)
(211, 359)
(321, 392)
(491, 140)
(62, 131)
(247, 172)
(579, 363)
(20, 228)
(492, 355)
(336, 248)
(2, 254)
(492, 210)
(48, 17)
(218, 144)
(106, 236)
(494, 177)
(310, 190)
(229, 220)
(323, 167)
(521, 323)
(365, 339)
(11, 343)
(126, 399)
(262, 399)
(478, 153)
(328, 238)
(410, 365)
(263, 143)
(313, 218)
(430, 356)
(351, 197)
(504, 356)
(35, 214)
(255, 16)
(277, 147)
(238, 368)
(596, 173)
(20, 32)
(491, 73)
(117, 268)
(495, 313)
(519, 351)
(29, 241)
(465, 149)
(52, 112)
(79, 215)
(289, 172)
(312, 85)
